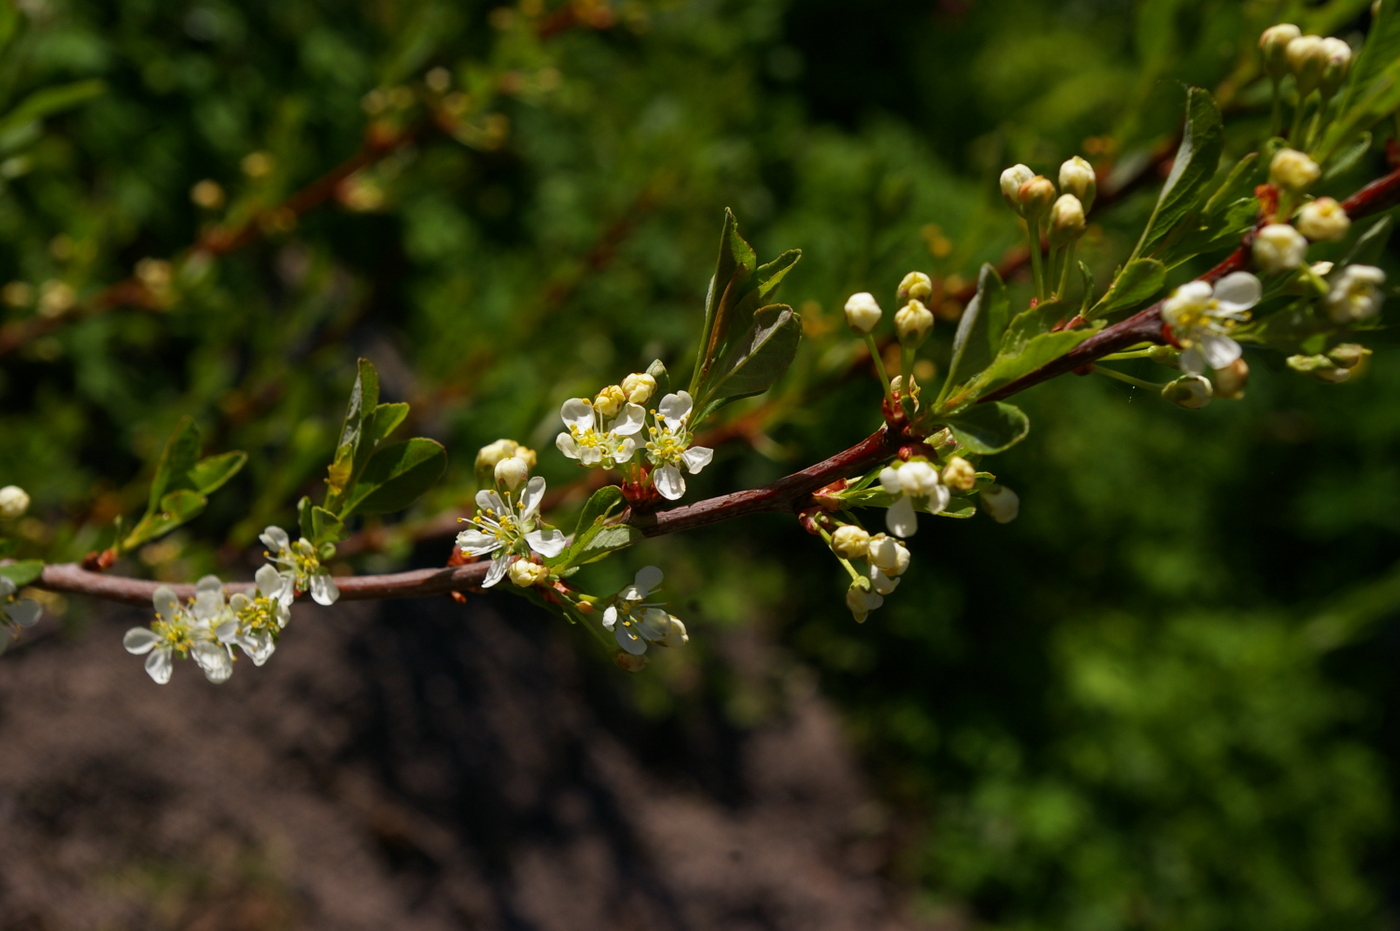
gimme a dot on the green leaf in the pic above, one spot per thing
(1139, 280)
(211, 472)
(972, 346)
(592, 521)
(23, 572)
(1088, 277)
(396, 476)
(733, 268)
(48, 101)
(990, 428)
(384, 420)
(364, 398)
(179, 456)
(1039, 351)
(959, 508)
(176, 508)
(608, 539)
(1366, 107)
(1348, 159)
(1237, 184)
(761, 359)
(1381, 48)
(1369, 245)
(326, 527)
(1197, 157)
(1029, 324)
(304, 522)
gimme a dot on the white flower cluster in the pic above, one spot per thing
(636, 622)
(15, 613)
(509, 526)
(301, 569)
(886, 560)
(602, 433)
(916, 486)
(1202, 317)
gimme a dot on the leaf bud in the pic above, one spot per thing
(850, 541)
(1231, 381)
(1001, 503)
(959, 474)
(1323, 220)
(1292, 170)
(1273, 44)
(913, 322)
(639, 387)
(1319, 368)
(511, 472)
(1279, 248)
(1011, 181)
(862, 312)
(526, 574)
(1346, 355)
(1036, 196)
(1077, 177)
(915, 286)
(609, 401)
(14, 501)
(1192, 392)
(1066, 220)
(1307, 56)
(1334, 71)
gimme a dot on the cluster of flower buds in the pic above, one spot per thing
(1280, 247)
(886, 559)
(1034, 198)
(1316, 63)
(1333, 366)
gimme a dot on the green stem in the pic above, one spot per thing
(1127, 379)
(1129, 354)
(1064, 271)
(1296, 130)
(1276, 114)
(1037, 270)
(879, 365)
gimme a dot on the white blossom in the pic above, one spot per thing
(185, 631)
(1355, 294)
(862, 601)
(1323, 220)
(916, 486)
(668, 447)
(254, 622)
(301, 567)
(1202, 317)
(598, 440)
(1279, 248)
(509, 527)
(1001, 503)
(1292, 170)
(635, 622)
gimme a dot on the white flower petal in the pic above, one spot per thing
(547, 542)
(631, 419)
(900, 518)
(140, 640)
(7, 587)
(1238, 291)
(676, 635)
(1219, 351)
(577, 412)
(24, 612)
(531, 497)
(476, 543)
(566, 445)
(208, 597)
(227, 632)
(609, 617)
(269, 580)
(938, 499)
(1192, 362)
(889, 480)
(669, 482)
(159, 665)
(697, 457)
(499, 565)
(275, 539)
(628, 640)
(625, 449)
(648, 580)
(166, 604)
(655, 624)
(323, 588)
(214, 659)
(488, 500)
(675, 408)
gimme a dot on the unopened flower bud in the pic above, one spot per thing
(888, 555)
(1036, 196)
(1077, 177)
(1273, 44)
(14, 501)
(511, 472)
(1231, 381)
(1165, 355)
(1346, 355)
(915, 286)
(1323, 220)
(526, 455)
(609, 401)
(850, 541)
(1011, 181)
(959, 474)
(1066, 220)
(861, 600)
(862, 312)
(526, 574)
(1001, 503)
(1334, 72)
(913, 322)
(1307, 57)
(1279, 248)
(1319, 368)
(1192, 392)
(638, 387)
(493, 453)
(1292, 170)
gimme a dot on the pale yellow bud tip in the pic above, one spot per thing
(14, 501)
(862, 312)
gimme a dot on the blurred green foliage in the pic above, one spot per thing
(1158, 700)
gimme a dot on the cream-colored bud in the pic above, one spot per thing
(861, 600)
(862, 312)
(1077, 177)
(850, 541)
(1323, 220)
(1347, 355)
(493, 453)
(609, 401)
(1066, 220)
(526, 574)
(1334, 72)
(1307, 57)
(1292, 170)
(1273, 44)
(526, 455)
(959, 474)
(1279, 248)
(14, 501)
(915, 286)
(913, 322)
(1192, 392)
(639, 387)
(511, 472)
(1036, 196)
(1231, 381)
(1165, 355)
(1001, 503)
(1011, 181)
(888, 555)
